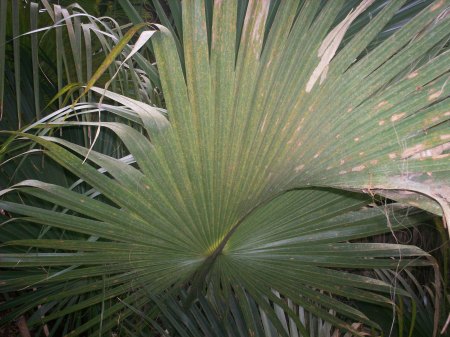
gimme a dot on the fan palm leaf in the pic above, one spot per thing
(232, 190)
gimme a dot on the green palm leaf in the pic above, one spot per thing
(230, 193)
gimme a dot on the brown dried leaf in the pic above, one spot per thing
(331, 43)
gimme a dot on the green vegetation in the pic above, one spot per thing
(233, 168)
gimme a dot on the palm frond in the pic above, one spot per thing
(232, 190)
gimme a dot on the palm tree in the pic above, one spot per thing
(287, 131)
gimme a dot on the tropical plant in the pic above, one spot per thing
(42, 54)
(237, 203)
(66, 44)
(415, 314)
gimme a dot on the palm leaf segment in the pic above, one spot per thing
(248, 120)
